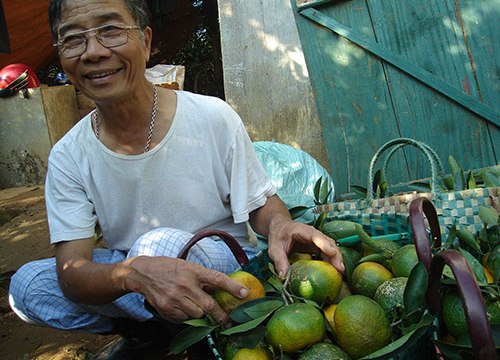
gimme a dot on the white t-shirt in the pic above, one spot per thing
(203, 175)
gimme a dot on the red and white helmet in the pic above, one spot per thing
(16, 77)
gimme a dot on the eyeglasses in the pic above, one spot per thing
(109, 36)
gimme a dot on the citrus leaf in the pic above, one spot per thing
(359, 190)
(324, 191)
(489, 216)
(263, 308)
(198, 322)
(491, 179)
(475, 265)
(471, 181)
(466, 237)
(257, 307)
(378, 258)
(454, 167)
(416, 286)
(245, 326)
(317, 189)
(406, 343)
(188, 337)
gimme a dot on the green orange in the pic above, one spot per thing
(294, 327)
(361, 326)
(367, 277)
(315, 280)
(404, 260)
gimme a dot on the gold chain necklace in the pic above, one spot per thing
(95, 116)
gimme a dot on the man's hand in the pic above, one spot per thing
(180, 290)
(285, 236)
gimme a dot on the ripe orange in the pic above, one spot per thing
(315, 280)
(361, 326)
(228, 302)
(367, 277)
(295, 327)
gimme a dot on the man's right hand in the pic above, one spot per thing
(180, 290)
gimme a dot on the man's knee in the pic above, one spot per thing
(21, 286)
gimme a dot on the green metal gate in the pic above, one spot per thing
(381, 69)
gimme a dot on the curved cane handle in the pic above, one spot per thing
(418, 208)
(483, 345)
(230, 241)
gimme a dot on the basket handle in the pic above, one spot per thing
(396, 144)
(418, 208)
(483, 345)
(230, 241)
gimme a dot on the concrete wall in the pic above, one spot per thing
(29, 127)
(265, 75)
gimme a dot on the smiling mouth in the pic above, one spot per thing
(101, 75)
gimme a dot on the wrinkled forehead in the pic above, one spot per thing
(77, 14)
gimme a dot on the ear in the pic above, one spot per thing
(148, 37)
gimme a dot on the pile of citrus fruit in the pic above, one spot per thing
(317, 312)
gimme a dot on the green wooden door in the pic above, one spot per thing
(382, 69)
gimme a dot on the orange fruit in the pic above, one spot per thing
(453, 314)
(294, 327)
(329, 314)
(361, 326)
(294, 257)
(256, 353)
(324, 351)
(390, 294)
(367, 277)
(229, 302)
(315, 280)
(404, 260)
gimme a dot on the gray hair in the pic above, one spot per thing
(138, 9)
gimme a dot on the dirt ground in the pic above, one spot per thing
(24, 237)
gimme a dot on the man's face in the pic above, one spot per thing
(104, 73)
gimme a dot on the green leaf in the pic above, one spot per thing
(454, 167)
(475, 265)
(448, 182)
(407, 343)
(324, 191)
(471, 181)
(416, 286)
(466, 237)
(489, 216)
(420, 186)
(361, 191)
(188, 337)
(452, 234)
(245, 326)
(264, 308)
(490, 179)
(317, 189)
(255, 308)
(198, 322)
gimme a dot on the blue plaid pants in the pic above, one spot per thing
(35, 295)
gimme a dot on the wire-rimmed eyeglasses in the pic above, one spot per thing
(75, 44)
